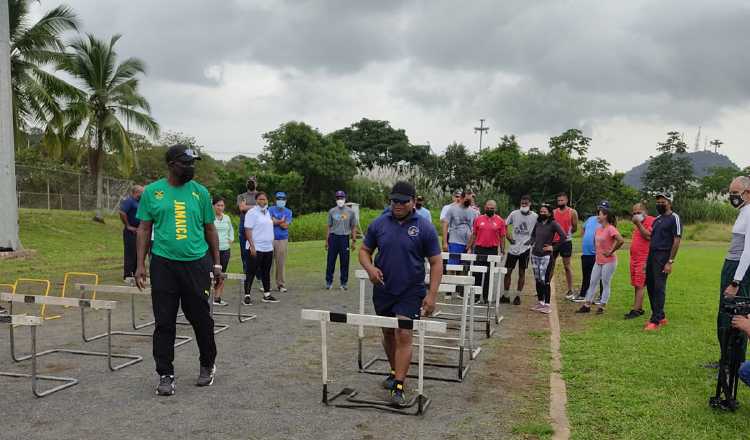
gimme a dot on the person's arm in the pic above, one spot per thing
(742, 267)
(503, 232)
(645, 232)
(329, 223)
(124, 220)
(286, 222)
(249, 233)
(212, 238)
(675, 244)
(143, 239)
(369, 244)
(618, 244)
(556, 245)
(436, 275)
(573, 222)
(470, 244)
(741, 323)
(231, 230)
(444, 230)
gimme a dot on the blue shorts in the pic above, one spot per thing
(407, 304)
(455, 248)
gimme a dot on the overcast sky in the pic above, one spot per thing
(624, 72)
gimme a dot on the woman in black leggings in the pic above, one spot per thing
(541, 256)
(259, 235)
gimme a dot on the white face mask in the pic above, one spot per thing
(525, 209)
(281, 203)
(639, 217)
(340, 203)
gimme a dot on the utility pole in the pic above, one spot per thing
(9, 213)
(717, 144)
(481, 129)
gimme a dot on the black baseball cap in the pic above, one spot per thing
(604, 205)
(403, 191)
(181, 153)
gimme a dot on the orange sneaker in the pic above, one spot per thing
(663, 322)
(651, 327)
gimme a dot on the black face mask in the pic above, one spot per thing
(489, 212)
(561, 205)
(736, 200)
(543, 217)
(467, 203)
(419, 206)
(184, 172)
(251, 187)
(661, 209)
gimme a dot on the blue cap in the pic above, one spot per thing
(340, 194)
(604, 205)
(280, 195)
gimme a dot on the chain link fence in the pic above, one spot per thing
(45, 188)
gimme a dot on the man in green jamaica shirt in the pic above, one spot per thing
(185, 247)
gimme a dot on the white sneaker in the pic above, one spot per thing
(571, 296)
(283, 289)
(546, 309)
(598, 302)
(537, 306)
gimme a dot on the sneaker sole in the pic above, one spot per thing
(268, 301)
(159, 393)
(205, 385)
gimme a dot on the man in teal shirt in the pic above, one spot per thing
(178, 210)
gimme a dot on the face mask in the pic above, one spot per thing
(489, 212)
(524, 209)
(340, 203)
(184, 172)
(251, 186)
(736, 200)
(561, 205)
(263, 208)
(419, 206)
(639, 217)
(281, 203)
(543, 217)
(467, 203)
(661, 209)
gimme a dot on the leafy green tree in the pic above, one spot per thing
(671, 169)
(501, 166)
(718, 181)
(324, 162)
(456, 168)
(109, 94)
(376, 143)
(36, 93)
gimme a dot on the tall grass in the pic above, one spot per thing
(709, 211)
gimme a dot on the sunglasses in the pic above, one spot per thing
(400, 202)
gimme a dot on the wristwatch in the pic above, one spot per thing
(671, 261)
(734, 283)
(217, 266)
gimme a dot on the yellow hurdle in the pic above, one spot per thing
(78, 274)
(47, 285)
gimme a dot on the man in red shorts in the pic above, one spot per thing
(638, 256)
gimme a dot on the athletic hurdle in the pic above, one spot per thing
(180, 340)
(107, 306)
(449, 284)
(495, 291)
(421, 326)
(47, 286)
(33, 322)
(241, 317)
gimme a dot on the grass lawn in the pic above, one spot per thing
(625, 383)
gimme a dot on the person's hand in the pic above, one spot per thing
(132, 229)
(742, 323)
(252, 251)
(445, 247)
(218, 277)
(428, 305)
(140, 277)
(667, 268)
(731, 291)
(375, 275)
(636, 220)
(469, 251)
(326, 244)
(607, 254)
(548, 248)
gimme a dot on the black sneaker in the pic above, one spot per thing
(220, 302)
(584, 309)
(269, 299)
(600, 311)
(247, 300)
(206, 376)
(633, 314)
(166, 385)
(504, 300)
(398, 395)
(343, 287)
(389, 382)
(517, 301)
(712, 365)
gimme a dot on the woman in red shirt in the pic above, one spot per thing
(608, 241)
(487, 238)
(639, 255)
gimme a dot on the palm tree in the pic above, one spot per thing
(108, 92)
(36, 93)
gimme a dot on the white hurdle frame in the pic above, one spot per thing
(495, 267)
(448, 284)
(33, 322)
(361, 320)
(94, 304)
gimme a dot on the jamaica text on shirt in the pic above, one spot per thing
(180, 220)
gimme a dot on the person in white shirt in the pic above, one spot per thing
(259, 235)
(225, 230)
(456, 200)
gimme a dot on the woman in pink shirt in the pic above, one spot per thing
(608, 241)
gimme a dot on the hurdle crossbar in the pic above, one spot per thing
(33, 322)
(180, 340)
(94, 304)
(421, 326)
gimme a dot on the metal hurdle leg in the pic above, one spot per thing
(351, 401)
(180, 340)
(133, 359)
(33, 322)
(241, 317)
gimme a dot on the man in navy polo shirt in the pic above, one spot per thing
(665, 242)
(403, 239)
